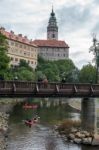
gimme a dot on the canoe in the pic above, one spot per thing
(30, 106)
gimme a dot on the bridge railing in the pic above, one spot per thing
(59, 89)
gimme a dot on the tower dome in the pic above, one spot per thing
(52, 28)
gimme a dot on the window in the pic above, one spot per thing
(16, 44)
(11, 58)
(20, 45)
(25, 46)
(24, 53)
(12, 43)
(28, 53)
(53, 35)
(16, 59)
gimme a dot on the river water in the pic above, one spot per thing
(41, 136)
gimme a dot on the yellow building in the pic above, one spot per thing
(20, 48)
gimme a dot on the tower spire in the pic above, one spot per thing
(52, 13)
(52, 28)
(52, 8)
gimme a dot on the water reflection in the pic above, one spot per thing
(42, 136)
(50, 143)
(49, 112)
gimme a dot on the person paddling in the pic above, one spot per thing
(30, 122)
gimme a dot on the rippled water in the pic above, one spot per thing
(41, 136)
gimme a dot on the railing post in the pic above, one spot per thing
(36, 88)
(56, 88)
(14, 87)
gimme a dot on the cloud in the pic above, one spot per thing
(73, 20)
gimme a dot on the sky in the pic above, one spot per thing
(77, 21)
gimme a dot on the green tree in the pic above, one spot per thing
(87, 74)
(40, 76)
(57, 70)
(23, 63)
(4, 59)
(22, 72)
(25, 74)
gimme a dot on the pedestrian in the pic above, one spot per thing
(45, 81)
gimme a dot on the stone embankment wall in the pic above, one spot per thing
(82, 137)
(79, 136)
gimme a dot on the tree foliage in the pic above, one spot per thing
(4, 59)
(23, 63)
(56, 70)
(22, 72)
(87, 74)
(25, 74)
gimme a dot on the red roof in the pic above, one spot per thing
(51, 43)
(23, 39)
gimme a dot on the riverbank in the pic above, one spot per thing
(72, 132)
(3, 129)
(75, 134)
(6, 106)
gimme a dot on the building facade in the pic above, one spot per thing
(52, 48)
(20, 48)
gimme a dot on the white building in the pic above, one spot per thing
(52, 48)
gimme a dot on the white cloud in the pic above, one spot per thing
(84, 3)
(77, 20)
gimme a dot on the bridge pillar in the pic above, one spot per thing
(88, 115)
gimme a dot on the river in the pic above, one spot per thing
(41, 136)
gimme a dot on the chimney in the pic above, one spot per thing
(11, 32)
(25, 37)
(2, 29)
(20, 35)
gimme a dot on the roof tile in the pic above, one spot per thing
(19, 38)
(51, 43)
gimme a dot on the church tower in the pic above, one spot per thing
(52, 28)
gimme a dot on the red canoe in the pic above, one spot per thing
(30, 106)
(28, 122)
(31, 122)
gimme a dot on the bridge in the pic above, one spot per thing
(85, 91)
(36, 89)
